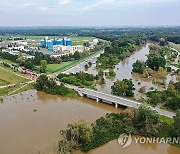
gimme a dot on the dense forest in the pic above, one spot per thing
(168, 33)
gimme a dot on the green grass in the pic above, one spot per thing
(74, 63)
(8, 77)
(24, 88)
(80, 40)
(175, 46)
(52, 67)
(166, 119)
(7, 90)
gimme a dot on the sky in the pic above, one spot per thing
(90, 13)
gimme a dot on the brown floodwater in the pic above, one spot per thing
(114, 148)
(30, 122)
(123, 71)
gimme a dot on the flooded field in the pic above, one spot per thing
(123, 70)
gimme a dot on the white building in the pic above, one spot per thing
(92, 44)
(28, 56)
(18, 48)
(67, 50)
(95, 41)
(16, 53)
(20, 43)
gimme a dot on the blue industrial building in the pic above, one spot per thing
(43, 43)
(46, 43)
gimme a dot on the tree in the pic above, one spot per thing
(123, 88)
(41, 82)
(90, 64)
(155, 61)
(139, 67)
(146, 121)
(101, 73)
(176, 125)
(76, 55)
(155, 97)
(21, 59)
(86, 66)
(75, 136)
(112, 73)
(154, 47)
(43, 66)
(162, 42)
(177, 86)
(102, 80)
(29, 65)
(173, 102)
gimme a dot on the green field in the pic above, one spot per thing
(22, 88)
(175, 46)
(52, 67)
(77, 40)
(7, 90)
(8, 76)
(81, 40)
(67, 65)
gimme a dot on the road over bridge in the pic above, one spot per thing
(106, 98)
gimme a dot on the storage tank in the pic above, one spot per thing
(68, 42)
(49, 44)
(43, 43)
(59, 42)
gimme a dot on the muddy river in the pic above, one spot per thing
(30, 121)
(123, 70)
(30, 124)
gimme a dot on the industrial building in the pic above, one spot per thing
(67, 50)
(49, 43)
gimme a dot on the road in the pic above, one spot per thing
(107, 98)
(80, 66)
(122, 101)
(165, 113)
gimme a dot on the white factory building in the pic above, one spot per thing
(16, 53)
(67, 50)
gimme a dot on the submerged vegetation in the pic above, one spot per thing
(119, 50)
(142, 122)
(49, 86)
(78, 79)
(123, 88)
(170, 98)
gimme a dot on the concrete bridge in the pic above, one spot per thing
(106, 98)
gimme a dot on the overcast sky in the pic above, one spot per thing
(89, 12)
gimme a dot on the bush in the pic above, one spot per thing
(112, 73)
(139, 67)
